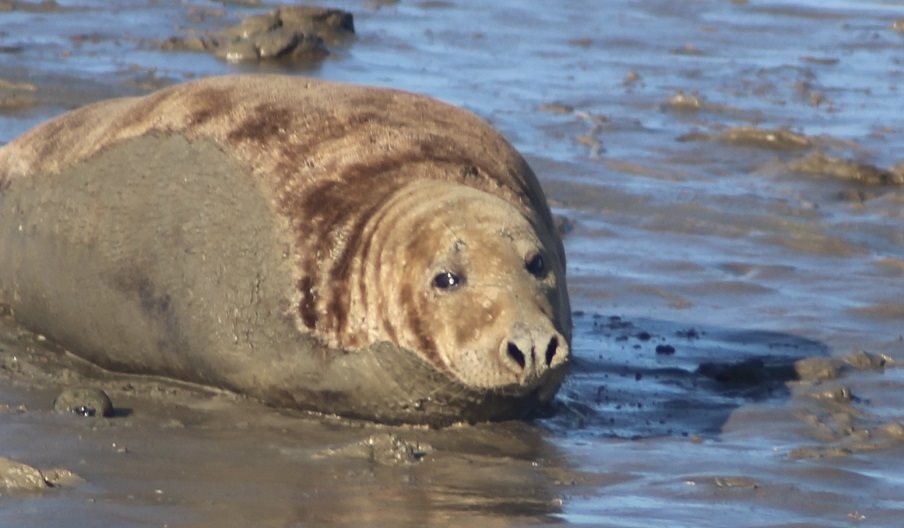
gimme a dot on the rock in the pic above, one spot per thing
(817, 369)
(44, 6)
(21, 477)
(61, 477)
(190, 43)
(16, 96)
(296, 33)
(665, 350)
(894, 430)
(836, 394)
(328, 24)
(683, 102)
(86, 401)
(863, 360)
(17, 86)
(807, 453)
(556, 108)
(307, 48)
(238, 51)
(735, 482)
(253, 25)
(765, 138)
(819, 164)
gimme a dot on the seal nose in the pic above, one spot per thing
(526, 359)
(551, 351)
(516, 354)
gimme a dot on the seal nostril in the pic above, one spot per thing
(515, 353)
(551, 350)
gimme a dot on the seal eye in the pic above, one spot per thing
(536, 266)
(447, 280)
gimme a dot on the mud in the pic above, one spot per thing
(738, 326)
(821, 165)
(42, 6)
(772, 139)
(16, 96)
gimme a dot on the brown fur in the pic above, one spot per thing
(333, 156)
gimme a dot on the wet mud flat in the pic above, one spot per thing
(181, 455)
(173, 454)
(729, 179)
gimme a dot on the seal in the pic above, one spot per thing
(337, 248)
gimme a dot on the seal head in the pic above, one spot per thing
(469, 283)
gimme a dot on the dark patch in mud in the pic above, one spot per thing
(643, 378)
(622, 384)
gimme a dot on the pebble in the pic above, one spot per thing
(863, 360)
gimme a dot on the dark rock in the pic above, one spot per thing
(665, 350)
(85, 401)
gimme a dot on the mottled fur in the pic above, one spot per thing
(331, 157)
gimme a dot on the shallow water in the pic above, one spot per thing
(684, 233)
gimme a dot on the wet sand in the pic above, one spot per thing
(729, 177)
